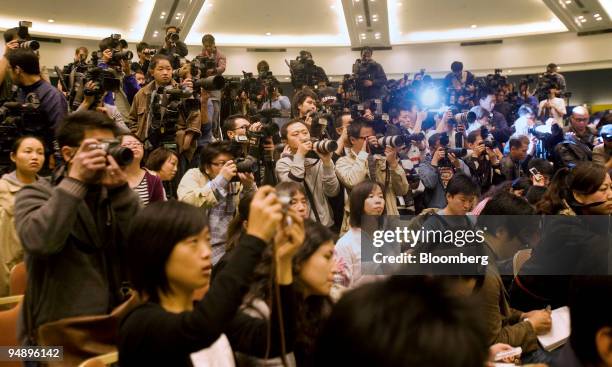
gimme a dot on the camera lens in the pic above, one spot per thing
(392, 141)
(325, 146)
(122, 155)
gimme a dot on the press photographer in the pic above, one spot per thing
(438, 168)
(212, 62)
(552, 75)
(484, 161)
(310, 164)
(304, 72)
(144, 53)
(114, 56)
(371, 77)
(79, 61)
(165, 115)
(48, 105)
(14, 38)
(552, 107)
(374, 159)
(173, 47)
(458, 79)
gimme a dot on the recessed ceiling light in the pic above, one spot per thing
(131, 29)
(568, 1)
(583, 20)
(558, 67)
(163, 13)
(286, 78)
(51, 20)
(161, 17)
(399, 4)
(596, 15)
(268, 34)
(473, 26)
(333, 6)
(581, 17)
(140, 1)
(178, 14)
(155, 35)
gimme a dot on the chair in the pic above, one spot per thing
(8, 324)
(101, 361)
(519, 259)
(18, 279)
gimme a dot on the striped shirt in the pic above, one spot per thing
(143, 190)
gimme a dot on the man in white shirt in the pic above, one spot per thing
(552, 107)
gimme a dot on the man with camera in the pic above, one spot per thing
(157, 129)
(24, 71)
(458, 79)
(304, 72)
(173, 47)
(371, 77)
(499, 125)
(80, 59)
(145, 53)
(73, 229)
(368, 159)
(552, 73)
(212, 62)
(438, 168)
(311, 165)
(515, 164)
(484, 159)
(15, 38)
(553, 107)
(113, 57)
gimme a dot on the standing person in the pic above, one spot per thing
(148, 186)
(370, 75)
(552, 107)
(366, 199)
(217, 187)
(28, 155)
(317, 175)
(173, 260)
(218, 62)
(72, 230)
(164, 163)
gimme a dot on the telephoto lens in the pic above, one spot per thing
(122, 155)
(457, 152)
(214, 82)
(324, 146)
(393, 141)
(122, 55)
(32, 45)
(465, 117)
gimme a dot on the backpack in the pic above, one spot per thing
(570, 152)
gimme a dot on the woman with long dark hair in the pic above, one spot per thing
(148, 186)
(170, 259)
(313, 269)
(575, 236)
(367, 205)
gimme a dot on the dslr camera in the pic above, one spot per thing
(24, 36)
(122, 155)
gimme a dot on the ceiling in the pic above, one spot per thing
(296, 23)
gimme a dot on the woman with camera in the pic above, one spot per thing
(28, 155)
(169, 261)
(148, 186)
(216, 186)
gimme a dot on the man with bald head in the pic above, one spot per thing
(579, 125)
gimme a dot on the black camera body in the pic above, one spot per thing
(19, 119)
(122, 155)
(168, 105)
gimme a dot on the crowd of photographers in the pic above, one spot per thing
(163, 177)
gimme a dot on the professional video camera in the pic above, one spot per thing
(19, 119)
(104, 80)
(304, 71)
(205, 64)
(168, 104)
(214, 82)
(24, 36)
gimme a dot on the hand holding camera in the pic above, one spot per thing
(391, 156)
(113, 175)
(11, 45)
(478, 150)
(88, 163)
(287, 242)
(438, 155)
(229, 170)
(304, 147)
(266, 213)
(247, 179)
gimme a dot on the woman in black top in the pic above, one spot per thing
(170, 257)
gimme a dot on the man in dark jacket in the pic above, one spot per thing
(371, 76)
(73, 230)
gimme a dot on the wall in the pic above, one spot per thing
(522, 55)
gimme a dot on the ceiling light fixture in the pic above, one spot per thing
(51, 20)
(268, 34)
(473, 26)
(333, 6)
(583, 20)
(161, 17)
(178, 14)
(131, 29)
(596, 15)
(399, 4)
(568, 1)
(163, 13)
(155, 35)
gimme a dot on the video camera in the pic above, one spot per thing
(104, 80)
(304, 72)
(168, 105)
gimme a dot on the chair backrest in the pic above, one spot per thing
(8, 324)
(19, 279)
(519, 259)
(101, 361)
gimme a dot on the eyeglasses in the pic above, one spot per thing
(128, 145)
(218, 164)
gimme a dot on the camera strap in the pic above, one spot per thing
(311, 200)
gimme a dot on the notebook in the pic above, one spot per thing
(560, 331)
